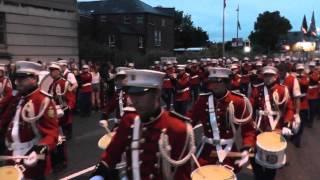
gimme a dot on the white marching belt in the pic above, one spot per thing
(268, 113)
(216, 142)
(193, 77)
(313, 87)
(86, 84)
(303, 95)
(183, 90)
(166, 79)
(22, 148)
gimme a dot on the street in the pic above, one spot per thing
(303, 163)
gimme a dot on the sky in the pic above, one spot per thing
(208, 13)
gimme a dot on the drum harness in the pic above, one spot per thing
(216, 140)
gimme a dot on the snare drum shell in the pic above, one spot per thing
(214, 166)
(20, 174)
(269, 159)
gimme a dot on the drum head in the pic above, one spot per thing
(213, 172)
(45, 83)
(10, 173)
(105, 140)
(271, 141)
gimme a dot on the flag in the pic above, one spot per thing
(224, 3)
(239, 25)
(313, 29)
(304, 26)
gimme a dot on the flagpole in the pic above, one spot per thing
(223, 19)
(237, 24)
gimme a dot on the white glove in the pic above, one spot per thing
(97, 178)
(244, 159)
(286, 131)
(296, 124)
(32, 159)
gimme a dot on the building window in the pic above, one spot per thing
(103, 18)
(140, 44)
(163, 22)
(157, 38)
(126, 20)
(2, 28)
(140, 20)
(112, 40)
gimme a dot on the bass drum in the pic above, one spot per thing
(45, 82)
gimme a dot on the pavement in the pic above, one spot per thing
(303, 163)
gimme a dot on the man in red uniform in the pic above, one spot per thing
(120, 99)
(144, 135)
(313, 93)
(236, 78)
(61, 91)
(168, 85)
(304, 105)
(222, 114)
(182, 90)
(85, 91)
(274, 111)
(30, 123)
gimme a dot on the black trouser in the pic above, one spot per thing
(85, 103)
(304, 115)
(194, 92)
(167, 95)
(314, 107)
(262, 173)
(181, 107)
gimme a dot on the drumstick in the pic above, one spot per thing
(230, 154)
(6, 158)
(198, 165)
(72, 176)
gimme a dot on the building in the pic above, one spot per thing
(38, 30)
(128, 25)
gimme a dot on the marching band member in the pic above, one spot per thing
(146, 134)
(236, 78)
(223, 113)
(5, 89)
(304, 105)
(85, 91)
(194, 80)
(182, 90)
(120, 99)
(30, 122)
(168, 84)
(274, 111)
(313, 93)
(61, 91)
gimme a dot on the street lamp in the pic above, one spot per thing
(247, 49)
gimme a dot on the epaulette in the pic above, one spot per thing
(258, 85)
(238, 94)
(205, 94)
(46, 94)
(129, 109)
(180, 116)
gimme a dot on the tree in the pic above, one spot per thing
(267, 30)
(186, 34)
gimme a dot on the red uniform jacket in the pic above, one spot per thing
(313, 92)
(85, 79)
(168, 80)
(60, 90)
(199, 114)
(150, 158)
(114, 104)
(42, 131)
(236, 82)
(183, 88)
(258, 102)
(5, 93)
(194, 76)
(304, 86)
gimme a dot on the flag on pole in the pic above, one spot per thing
(239, 25)
(224, 3)
(313, 29)
(304, 26)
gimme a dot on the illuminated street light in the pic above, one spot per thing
(247, 49)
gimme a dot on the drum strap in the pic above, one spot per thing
(272, 121)
(135, 149)
(121, 103)
(222, 152)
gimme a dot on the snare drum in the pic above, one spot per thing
(105, 140)
(271, 148)
(213, 172)
(11, 173)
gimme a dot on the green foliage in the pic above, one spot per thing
(267, 30)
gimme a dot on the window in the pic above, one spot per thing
(2, 28)
(126, 20)
(103, 18)
(157, 38)
(140, 43)
(163, 22)
(112, 40)
(140, 20)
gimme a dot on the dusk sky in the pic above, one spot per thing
(208, 13)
